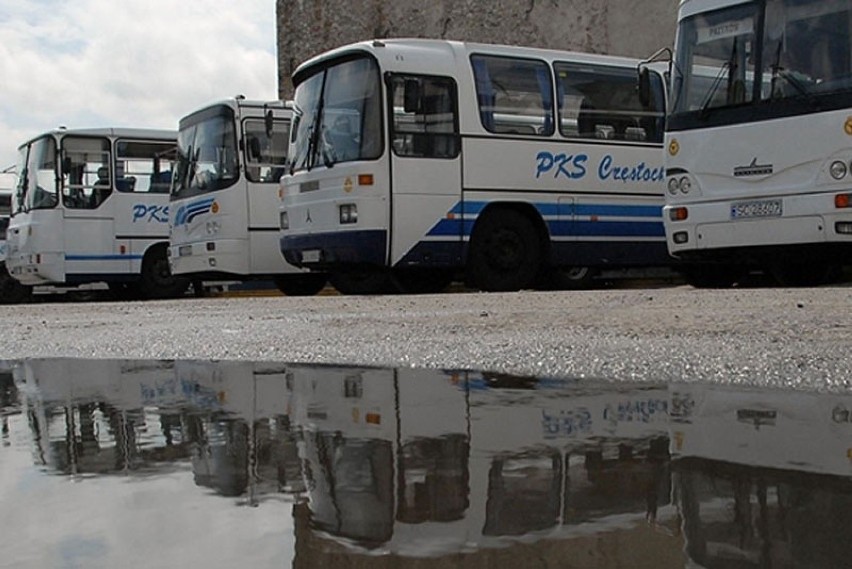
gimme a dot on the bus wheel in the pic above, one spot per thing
(363, 281)
(12, 291)
(713, 276)
(301, 284)
(157, 278)
(505, 252)
(422, 281)
(573, 278)
(803, 274)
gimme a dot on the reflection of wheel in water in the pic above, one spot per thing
(573, 278)
(505, 252)
(362, 281)
(422, 281)
(12, 291)
(301, 284)
(157, 279)
(713, 276)
(801, 274)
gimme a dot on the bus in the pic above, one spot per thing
(224, 200)
(759, 140)
(412, 162)
(91, 206)
(419, 463)
(11, 291)
(762, 478)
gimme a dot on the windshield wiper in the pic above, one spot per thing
(730, 67)
(779, 72)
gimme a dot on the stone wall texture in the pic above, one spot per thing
(635, 28)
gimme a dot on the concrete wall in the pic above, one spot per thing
(620, 27)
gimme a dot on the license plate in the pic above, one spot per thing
(311, 256)
(184, 250)
(757, 208)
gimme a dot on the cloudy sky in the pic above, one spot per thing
(140, 63)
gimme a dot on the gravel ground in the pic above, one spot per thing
(797, 338)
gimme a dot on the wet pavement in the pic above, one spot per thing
(187, 463)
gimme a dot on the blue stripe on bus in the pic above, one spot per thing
(102, 257)
(568, 226)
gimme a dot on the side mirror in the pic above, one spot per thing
(412, 96)
(645, 87)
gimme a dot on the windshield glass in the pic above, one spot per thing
(37, 182)
(715, 59)
(206, 155)
(337, 116)
(806, 48)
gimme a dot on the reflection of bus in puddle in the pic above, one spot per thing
(762, 478)
(420, 463)
(226, 419)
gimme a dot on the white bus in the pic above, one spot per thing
(224, 201)
(11, 291)
(412, 161)
(91, 206)
(759, 140)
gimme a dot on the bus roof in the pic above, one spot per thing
(689, 8)
(115, 132)
(438, 54)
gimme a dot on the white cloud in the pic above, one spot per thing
(92, 63)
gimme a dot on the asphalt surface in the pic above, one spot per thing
(794, 338)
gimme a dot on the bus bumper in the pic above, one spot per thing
(321, 250)
(220, 256)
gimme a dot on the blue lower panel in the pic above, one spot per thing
(434, 254)
(614, 254)
(367, 247)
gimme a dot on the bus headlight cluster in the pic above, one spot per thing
(212, 227)
(838, 170)
(348, 213)
(679, 185)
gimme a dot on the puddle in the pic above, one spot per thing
(219, 464)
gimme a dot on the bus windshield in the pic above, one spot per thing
(804, 51)
(37, 181)
(337, 116)
(206, 154)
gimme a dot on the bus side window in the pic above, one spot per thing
(429, 128)
(86, 180)
(603, 102)
(144, 166)
(515, 95)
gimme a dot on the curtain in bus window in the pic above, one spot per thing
(542, 74)
(484, 92)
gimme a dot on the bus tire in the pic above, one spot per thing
(157, 280)
(362, 281)
(505, 252)
(713, 276)
(803, 274)
(12, 291)
(301, 284)
(422, 281)
(573, 278)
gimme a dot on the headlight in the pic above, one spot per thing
(673, 186)
(682, 185)
(837, 170)
(212, 227)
